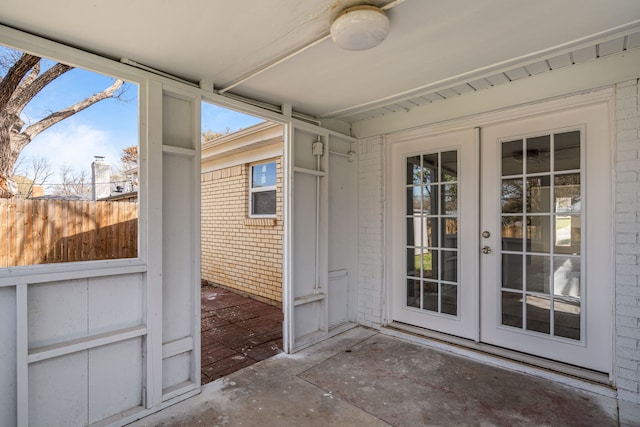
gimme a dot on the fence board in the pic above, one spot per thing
(3, 232)
(53, 231)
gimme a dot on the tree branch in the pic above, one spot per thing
(58, 116)
(13, 77)
(33, 74)
(26, 92)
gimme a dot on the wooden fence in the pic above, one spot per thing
(49, 231)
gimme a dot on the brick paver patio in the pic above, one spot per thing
(236, 332)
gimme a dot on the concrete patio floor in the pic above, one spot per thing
(365, 378)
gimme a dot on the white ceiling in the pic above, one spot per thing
(432, 42)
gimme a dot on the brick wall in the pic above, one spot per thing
(239, 252)
(370, 231)
(627, 222)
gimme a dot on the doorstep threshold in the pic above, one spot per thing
(585, 379)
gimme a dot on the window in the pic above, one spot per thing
(262, 190)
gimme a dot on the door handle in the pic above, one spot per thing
(486, 250)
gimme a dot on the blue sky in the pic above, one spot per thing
(103, 129)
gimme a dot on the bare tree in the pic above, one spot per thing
(74, 183)
(36, 171)
(22, 81)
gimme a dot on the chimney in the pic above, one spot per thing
(100, 178)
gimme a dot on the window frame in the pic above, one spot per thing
(70, 270)
(253, 189)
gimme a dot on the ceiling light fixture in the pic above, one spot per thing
(360, 27)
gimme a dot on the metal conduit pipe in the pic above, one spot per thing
(318, 154)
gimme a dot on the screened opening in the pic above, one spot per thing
(69, 176)
(241, 240)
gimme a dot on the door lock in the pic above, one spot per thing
(486, 250)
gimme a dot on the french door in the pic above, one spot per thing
(433, 235)
(505, 235)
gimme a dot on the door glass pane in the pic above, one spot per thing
(512, 158)
(449, 266)
(566, 276)
(430, 236)
(539, 234)
(567, 150)
(430, 167)
(511, 309)
(512, 196)
(414, 200)
(430, 301)
(430, 200)
(449, 299)
(566, 317)
(423, 261)
(538, 154)
(449, 166)
(413, 293)
(539, 313)
(449, 199)
(539, 194)
(430, 264)
(413, 262)
(512, 233)
(431, 206)
(415, 174)
(567, 193)
(512, 271)
(413, 231)
(538, 274)
(449, 233)
(567, 234)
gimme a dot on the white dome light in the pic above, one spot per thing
(360, 28)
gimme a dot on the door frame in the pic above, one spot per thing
(599, 96)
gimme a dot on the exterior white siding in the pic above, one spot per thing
(627, 223)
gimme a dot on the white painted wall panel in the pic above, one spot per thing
(178, 113)
(309, 319)
(302, 150)
(176, 370)
(338, 297)
(115, 303)
(178, 248)
(8, 356)
(57, 312)
(304, 234)
(343, 206)
(115, 378)
(58, 391)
